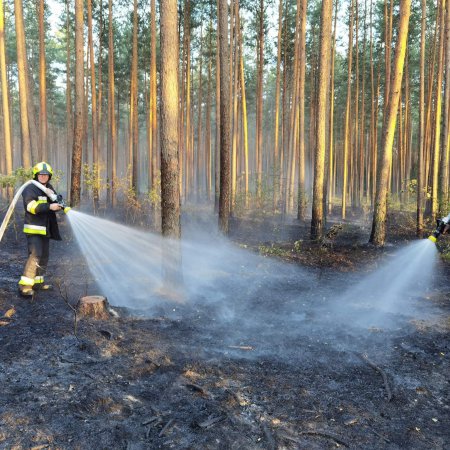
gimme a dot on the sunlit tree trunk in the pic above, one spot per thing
(276, 157)
(5, 97)
(331, 153)
(362, 134)
(170, 192)
(75, 188)
(347, 126)
(438, 114)
(208, 114)
(134, 135)
(324, 80)
(235, 66)
(152, 148)
(95, 163)
(22, 68)
(301, 206)
(224, 199)
(200, 159)
(259, 98)
(217, 144)
(69, 111)
(378, 234)
(444, 178)
(244, 110)
(112, 133)
(187, 141)
(42, 87)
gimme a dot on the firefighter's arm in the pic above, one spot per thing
(35, 204)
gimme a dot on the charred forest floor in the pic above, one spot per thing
(184, 379)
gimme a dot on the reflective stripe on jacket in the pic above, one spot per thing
(39, 218)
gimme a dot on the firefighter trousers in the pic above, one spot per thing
(36, 265)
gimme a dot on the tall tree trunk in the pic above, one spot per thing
(170, 192)
(208, 114)
(5, 97)
(112, 133)
(134, 126)
(347, 126)
(95, 165)
(321, 123)
(22, 67)
(42, 88)
(152, 151)
(244, 111)
(259, 99)
(331, 152)
(438, 114)
(276, 157)
(75, 188)
(378, 234)
(217, 144)
(224, 198)
(69, 111)
(301, 205)
(444, 178)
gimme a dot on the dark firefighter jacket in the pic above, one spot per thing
(39, 218)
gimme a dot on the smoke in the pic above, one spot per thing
(241, 300)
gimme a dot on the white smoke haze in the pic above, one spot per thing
(245, 301)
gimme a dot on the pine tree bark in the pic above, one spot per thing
(75, 188)
(112, 133)
(42, 88)
(347, 126)
(134, 138)
(321, 123)
(95, 163)
(224, 197)
(22, 68)
(438, 115)
(69, 110)
(378, 234)
(170, 193)
(5, 96)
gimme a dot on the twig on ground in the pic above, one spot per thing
(196, 388)
(210, 421)
(271, 444)
(382, 372)
(315, 433)
(165, 427)
(385, 439)
(62, 287)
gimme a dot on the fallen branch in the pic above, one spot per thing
(210, 421)
(165, 427)
(241, 347)
(196, 388)
(316, 433)
(383, 374)
(271, 444)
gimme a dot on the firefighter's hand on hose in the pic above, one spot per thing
(55, 207)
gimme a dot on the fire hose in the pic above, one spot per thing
(53, 197)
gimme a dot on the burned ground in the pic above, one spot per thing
(281, 369)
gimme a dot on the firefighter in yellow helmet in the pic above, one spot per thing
(40, 226)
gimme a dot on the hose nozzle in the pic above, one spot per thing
(432, 238)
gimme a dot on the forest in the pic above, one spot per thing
(333, 108)
(244, 263)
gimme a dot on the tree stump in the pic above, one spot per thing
(94, 306)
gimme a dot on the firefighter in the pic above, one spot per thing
(40, 226)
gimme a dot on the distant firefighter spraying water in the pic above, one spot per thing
(442, 227)
(40, 225)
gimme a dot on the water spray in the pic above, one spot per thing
(441, 225)
(48, 192)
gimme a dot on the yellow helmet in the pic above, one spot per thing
(42, 168)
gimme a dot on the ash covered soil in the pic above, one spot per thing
(272, 362)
